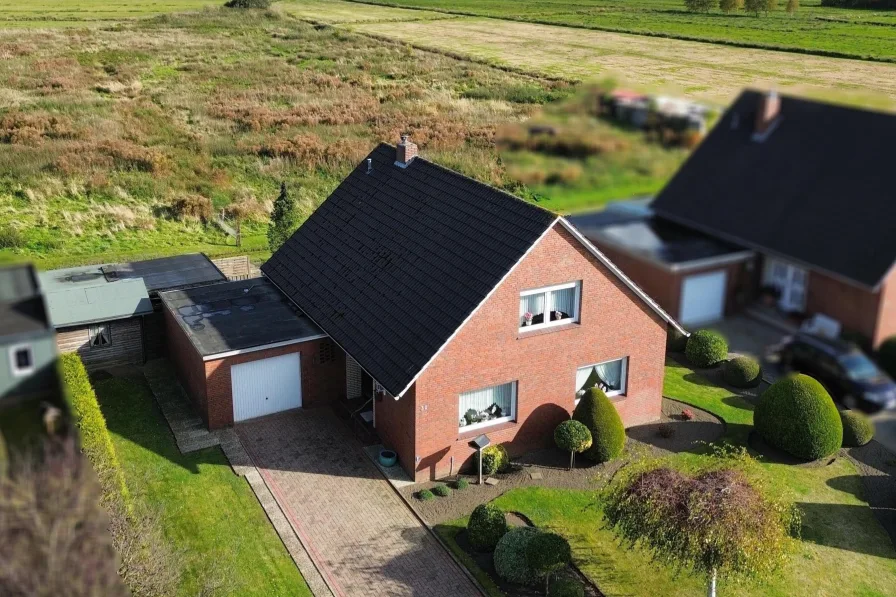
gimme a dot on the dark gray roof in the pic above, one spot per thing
(816, 190)
(394, 261)
(22, 309)
(237, 315)
(166, 273)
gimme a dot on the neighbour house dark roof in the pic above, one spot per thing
(22, 309)
(236, 316)
(816, 190)
(166, 273)
(396, 259)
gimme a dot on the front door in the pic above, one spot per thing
(791, 281)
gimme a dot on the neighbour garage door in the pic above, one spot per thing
(703, 298)
(266, 386)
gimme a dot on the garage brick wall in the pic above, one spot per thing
(855, 308)
(187, 362)
(489, 350)
(395, 425)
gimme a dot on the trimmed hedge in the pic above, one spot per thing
(857, 428)
(597, 413)
(886, 356)
(798, 416)
(675, 340)
(742, 372)
(96, 442)
(494, 459)
(487, 525)
(706, 348)
(510, 556)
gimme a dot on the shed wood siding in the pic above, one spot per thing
(489, 350)
(187, 362)
(126, 347)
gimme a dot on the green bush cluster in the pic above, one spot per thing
(798, 416)
(425, 495)
(886, 356)
(441, 490)
(597, 413)
(487, 525)
(742, 372)
(494, 459)
(857, 429)
(566, 585)
(510, 556)
(461, 483)
(675, 340)
(706, 348)
(96, 443)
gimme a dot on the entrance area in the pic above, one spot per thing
(790, 280)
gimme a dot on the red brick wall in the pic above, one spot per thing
(395, 425)
(489, 350)
(855, 308)
(886, 317)
(187, 362)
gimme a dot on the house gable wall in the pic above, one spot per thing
(490, 350)
(855, 308)
(886, 311)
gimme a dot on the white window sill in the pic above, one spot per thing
(485, 424)
(544, 326)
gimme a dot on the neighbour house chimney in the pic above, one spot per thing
(405, 152)
(768, 115)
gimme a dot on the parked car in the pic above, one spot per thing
(849, 375)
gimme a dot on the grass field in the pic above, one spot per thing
(53, 13)
(814, 29)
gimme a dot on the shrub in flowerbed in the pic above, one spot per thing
(857, 428)
(461, 483)
(665, 430)
(547, 553)
(573, 437)
(676, 341)
(510, 556)
(706, 348)
(487, 525)
(798, 416)
(424, 495)
(441, 490)
(886, 356)
(687, 414)
(566, 585)
(494, 459)
(597, 413)
(742, 372)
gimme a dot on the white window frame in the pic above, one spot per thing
(545, 290)
(13, 364)
(612, 393)
(508, 419)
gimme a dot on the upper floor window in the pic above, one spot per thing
(487, 406)
(610, 376)
(21, 359)
(553, 305)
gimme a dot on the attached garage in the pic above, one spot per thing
(242, 351)
(703, 298)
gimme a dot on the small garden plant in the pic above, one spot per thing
(573, 437)
(441, 490)
(687, 414)
(597, 413)
(425, 495)
(486, 527)
(857, 429)
(706, 348)
(665, 430)
(461, 484)
(742, 372)
(494, 459)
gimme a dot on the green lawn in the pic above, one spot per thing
(844, 550)
(210, 515)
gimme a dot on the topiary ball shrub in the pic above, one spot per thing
(742, 372)
(706, 348)
(857, 428)
(461, 483)
(487, 525)
(797, 415)
(573, 437)
(547, 553)
(566, 585)
(248, 4)
(424, 495)
(597, 413)
(886, 356)
(676, 341)
(441, 490)
(510, 556)
(494, 459)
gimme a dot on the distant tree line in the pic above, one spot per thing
(873, 4)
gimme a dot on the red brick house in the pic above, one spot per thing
(786, 194)
(454, 309)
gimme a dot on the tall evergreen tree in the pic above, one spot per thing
(283, 219)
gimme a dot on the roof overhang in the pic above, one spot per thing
(251, 349)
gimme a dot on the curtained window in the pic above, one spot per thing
(554, 305)
(487, 406)
(610, 376)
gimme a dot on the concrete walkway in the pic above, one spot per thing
(359, 533)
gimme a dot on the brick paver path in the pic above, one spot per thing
(361, 535)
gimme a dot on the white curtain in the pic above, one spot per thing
(481, 401)
(611, 375)
(533, 303)
(563, 300)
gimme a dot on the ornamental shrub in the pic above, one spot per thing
(742, 372)
(461, 483)
(494, 459)
(548, 553)
(566, 585)
(573, 437)
(675, 340)
(597, 413)
(425, 495)
(857, 428)
(706, 348)
(441, 490)
(798, 416)
(510, 556)
(487, 525)
(886, 356)
(666, 431)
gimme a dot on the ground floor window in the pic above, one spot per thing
(609, 376)
(487, 406)
(100, 336)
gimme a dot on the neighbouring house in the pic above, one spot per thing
(786, 197)
(110, 314)
(451, 308)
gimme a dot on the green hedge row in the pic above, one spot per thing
(96, 442)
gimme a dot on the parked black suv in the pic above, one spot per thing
(849, 375)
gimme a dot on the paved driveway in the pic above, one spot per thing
(361, 536)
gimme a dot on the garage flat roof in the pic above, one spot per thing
(237, 316)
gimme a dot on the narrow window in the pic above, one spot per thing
(488, 406)
(99, 336)
(610, 376)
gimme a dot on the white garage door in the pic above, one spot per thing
(266, 386)
(703, 298)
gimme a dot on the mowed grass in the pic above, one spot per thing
(224, 541)
(813, 29)
(52, 13)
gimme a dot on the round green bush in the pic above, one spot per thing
(797, 415)
(597, 413)
(424, 495)
(487, 525)
(441, 490)
(706, 348)
(461, 483)
(547, 553)
(494, 459)
(886, 356)
(857, 428)
(565, 585)
(510, 556)
(676, 341)
(742, 372)
(572, 436)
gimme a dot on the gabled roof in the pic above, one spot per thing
(816, 190)
(397, 259)
(83, 295)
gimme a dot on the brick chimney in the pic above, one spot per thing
(768, 114)
(405, 152)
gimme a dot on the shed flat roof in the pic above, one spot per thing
(82, 295)
(239, 315)
(166, 273)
